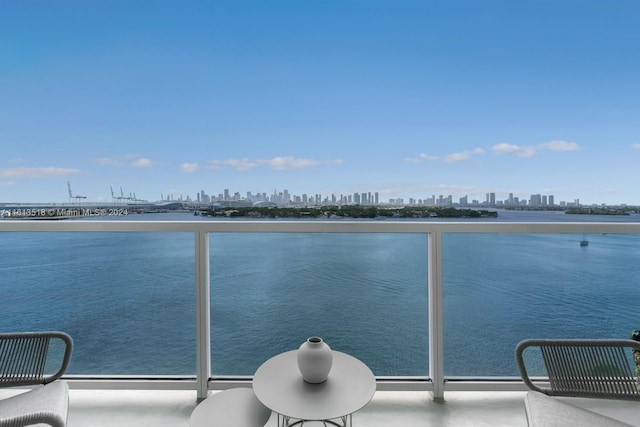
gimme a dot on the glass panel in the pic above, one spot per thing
(364, 294)
(502, 288)
(127, 299)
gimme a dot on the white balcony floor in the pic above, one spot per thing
(153, 408)
(105, 408)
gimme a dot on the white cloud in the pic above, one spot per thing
(503, 148)
(215, 164)
(189, 167)
(37, 172)
(462, 156)
(457, 157)
(506, 148)
(242, 164)
(133, 160)
(527, 152)
(421, 158)
(559, 145)
(288, 163)
(142, 163)
(7, 183)
(636, 146)
(518, 150)
(531, 150)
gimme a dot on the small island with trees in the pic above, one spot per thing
(350, 211)
(604, 210)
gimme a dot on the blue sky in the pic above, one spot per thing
(406, 98)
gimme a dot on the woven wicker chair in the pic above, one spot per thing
(576, 368)
(26, 360)
(583, 368)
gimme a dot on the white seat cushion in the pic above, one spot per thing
(546, 411)
(47, 404)
(238, 407)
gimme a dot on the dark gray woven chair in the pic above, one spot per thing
(600, 368)
(35, 359)
(576, 368)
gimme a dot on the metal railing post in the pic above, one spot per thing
(203, 314)
(436, 339)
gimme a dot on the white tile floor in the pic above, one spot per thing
(90, 408)
(144, 408)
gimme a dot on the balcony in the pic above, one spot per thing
(171, 408)
(438, 390)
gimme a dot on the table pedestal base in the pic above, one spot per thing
(284, 421)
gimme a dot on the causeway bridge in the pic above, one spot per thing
(81, 210)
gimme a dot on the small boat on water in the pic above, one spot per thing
(584, 241)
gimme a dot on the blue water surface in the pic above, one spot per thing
(128, 299)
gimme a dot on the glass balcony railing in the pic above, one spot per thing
(121, 296)
(514, 286)
(422, 303)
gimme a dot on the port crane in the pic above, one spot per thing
(124, 199)
(117, 199)
(73, 198)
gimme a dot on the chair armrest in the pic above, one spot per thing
(23, 356)
(583, 367)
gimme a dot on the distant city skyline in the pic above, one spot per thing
(410, 99)
(287, 198)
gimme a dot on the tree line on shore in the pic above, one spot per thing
(351, 211)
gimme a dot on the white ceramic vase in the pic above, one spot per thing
(314, 360)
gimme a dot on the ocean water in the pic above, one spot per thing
(128, 299)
